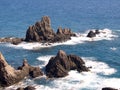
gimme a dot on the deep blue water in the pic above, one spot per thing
(79, 15)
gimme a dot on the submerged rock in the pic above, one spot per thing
(26, 88)
(9, 75)
(61, 64)
(42, 32)
(93, 33)
(109, 88)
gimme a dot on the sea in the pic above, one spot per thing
(102, 53)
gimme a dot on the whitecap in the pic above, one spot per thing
(113, 48)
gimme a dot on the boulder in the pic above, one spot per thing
(61, 64)
(109, 88)
(42, 32)
(91, 34)
(9, 75)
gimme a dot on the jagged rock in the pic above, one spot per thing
(9, 75)
(65, 31)
(14, 41)
(26, 88)
(42, 32)
(91, 34)
(61, 64)
(109, 88)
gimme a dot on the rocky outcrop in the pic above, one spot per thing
(93, 33)
(42, 32)
(109, 88)
(26, 88)
(9, 75)
(14, 41)
(61, 64)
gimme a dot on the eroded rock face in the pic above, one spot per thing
(61, 64)
(9, 75)
(42, 32)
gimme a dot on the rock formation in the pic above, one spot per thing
(9, 75)
(93, 33)
(42, 32)
(61, 64)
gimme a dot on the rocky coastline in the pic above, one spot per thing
(10, 75)
(57, 67)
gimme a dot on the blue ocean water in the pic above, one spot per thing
(79, 15)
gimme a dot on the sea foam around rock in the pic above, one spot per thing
(105, 34)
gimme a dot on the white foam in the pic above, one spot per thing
(92, 80)
(105, 34)
(113, 48)
(99, 67)
(45, 59)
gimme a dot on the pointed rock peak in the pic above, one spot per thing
(46, 19)
(25, 63)
(59, 31)
(61, 53)
(3, 62)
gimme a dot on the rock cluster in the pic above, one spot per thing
(42, 32)
(61, 64)
(9, 75)
(93, 33)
